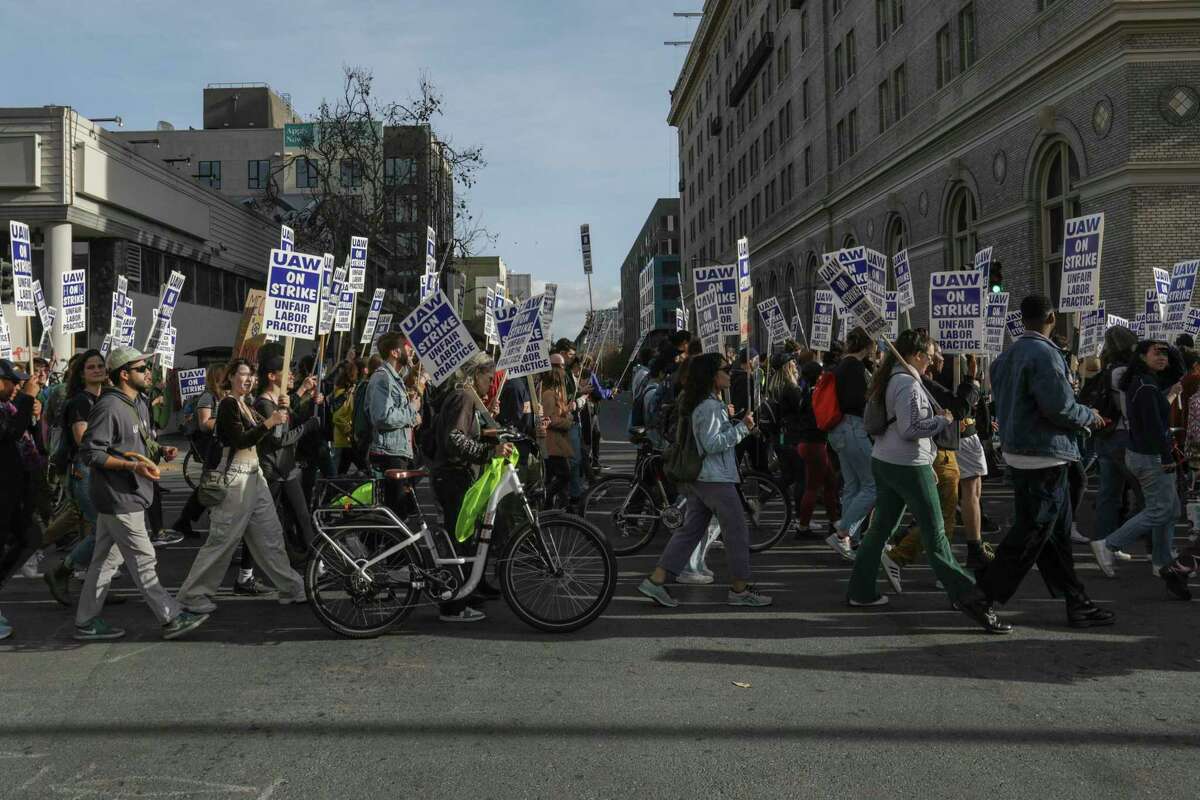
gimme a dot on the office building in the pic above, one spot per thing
(479, 273)
(940, 127)
(655, 252)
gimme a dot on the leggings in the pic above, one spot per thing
(820, 481)
(793, 473)
(558, 478)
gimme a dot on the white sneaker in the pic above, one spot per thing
(33, 567)
(840, 545)
(1121, 555)
(878, 601)
(1103, 558)
(1077, 537)
(892, 571)
(694, 578)
(468, 614)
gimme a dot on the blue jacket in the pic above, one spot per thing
(717, 435)
(1035, 405)
(390, 412)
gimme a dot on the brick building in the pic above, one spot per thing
(941, 127)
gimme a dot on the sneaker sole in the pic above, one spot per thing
(1092, 623)
(741, 604)
(103, 637)
(463, 620)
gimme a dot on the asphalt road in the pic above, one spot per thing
(904, 701)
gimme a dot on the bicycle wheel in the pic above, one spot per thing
(575, 590)
(768, 512)
(623, 511)
(346, 603)
(192, 467)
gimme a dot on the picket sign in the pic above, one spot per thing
(708, 320)
(1179, 296)
(725, 280)
(997, 316)
(191, 382)
(904, 286)
(168, 299)
(368, 334)
(293, 303)
(520, 322)
(46, 343)
(776, 322)
(5, 338)
(822, 321)
(74, 304)
(357, 274)
(439, 337)
(956, 311)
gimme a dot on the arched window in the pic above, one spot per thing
(1057, 179)
(895, 239)
(758, 331)
(964, 241)
(789, 292)
(849, 241)
(811, 282)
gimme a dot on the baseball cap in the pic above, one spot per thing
(123, 356)
(10, 373)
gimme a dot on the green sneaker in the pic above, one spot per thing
(748, 597)
(186, 621)
(97, 631)
(658, 593)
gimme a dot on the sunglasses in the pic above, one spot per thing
(144, 368)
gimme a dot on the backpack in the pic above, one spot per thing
(637, 417)
(362, 427)
(1099, 394)
(666, 420)
(682, 459)
(825, 406)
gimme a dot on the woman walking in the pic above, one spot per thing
(787, 398)
(558, 442)
(902, 463)
(1150, 385)
(820, 481)
(202, 439)
(715, 491)
(247, 510)
(851, 442)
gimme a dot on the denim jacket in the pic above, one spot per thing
(1035, 405)
(717, 435)
(391, 413)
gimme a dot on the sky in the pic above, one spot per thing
(568, 98)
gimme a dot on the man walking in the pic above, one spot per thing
(122, 453)
(18, 536)
(1039, 419)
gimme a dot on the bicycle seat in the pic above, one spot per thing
(405, 474)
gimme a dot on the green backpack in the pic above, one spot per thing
(682, 459)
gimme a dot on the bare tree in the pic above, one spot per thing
(375, 168)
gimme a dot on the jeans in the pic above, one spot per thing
(1114, 478)
(1161, 510)
(853, 447)
(914, 488)
(704, 500)
(123, 537)
(575, 487)
(819, 481)
(1040, 533)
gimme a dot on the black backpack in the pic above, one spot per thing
(1097, 392)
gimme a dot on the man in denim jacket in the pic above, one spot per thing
(394, 410)
(1039, 419)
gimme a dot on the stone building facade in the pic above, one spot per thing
(940, 127)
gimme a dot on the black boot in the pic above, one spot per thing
(980, 609)
(1083, 613)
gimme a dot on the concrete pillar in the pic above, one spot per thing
(58, 261)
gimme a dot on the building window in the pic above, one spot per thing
(945, 58)
(897, 14)
(895, 239)
(1059, 197)
(406, 208)
(966, 37)
(851, 55)
(808, 165)
(258, 174)
(899, 93)
(839, 70)
(841, 141)
(884, 98)
(852, 130)
(804, 104)
(881, 22)
(963, 214)
(306, 173)
(837, 7)
(208, 173)
(399, 171)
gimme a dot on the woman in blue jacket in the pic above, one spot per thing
(715, 490)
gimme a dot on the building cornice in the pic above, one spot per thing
(706, 37)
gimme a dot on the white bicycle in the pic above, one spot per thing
(369, 568)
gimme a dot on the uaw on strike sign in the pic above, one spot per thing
(956, 311)
(1080, 287)
(293, 294)
(439, 337)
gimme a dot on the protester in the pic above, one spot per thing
(202, 441)
(716, 436)
(901, 460)
(558, 443)
(342, 410)
(851, 442)
(393, 410)
(1038, 416)
(86, 381)
(120, 447)
(461, 450)
(247, 510)
(1151, 385)
(820, 480)
(18, 537)
(788, 398)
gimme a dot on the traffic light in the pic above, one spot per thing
(6, 283)
(997, 277)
